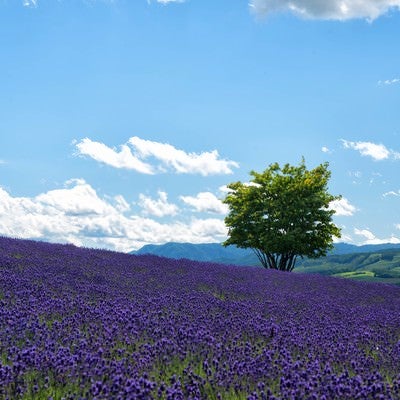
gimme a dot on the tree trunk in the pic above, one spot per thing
(282, 262)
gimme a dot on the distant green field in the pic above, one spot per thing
(382, 266)
(356, 274)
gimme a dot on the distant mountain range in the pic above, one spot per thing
(215, 252)
(379, 263)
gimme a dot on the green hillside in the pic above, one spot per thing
(378, 266)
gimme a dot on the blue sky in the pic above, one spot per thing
(122, 121)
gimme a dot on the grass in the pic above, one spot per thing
(356, 274)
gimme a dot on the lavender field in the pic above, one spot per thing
(90, 324)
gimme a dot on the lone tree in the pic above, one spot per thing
(281, 214)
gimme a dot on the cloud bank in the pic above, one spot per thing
(340, 10)
(135, 155)
(78, 214)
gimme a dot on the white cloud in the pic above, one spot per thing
(392, 193)
(78, 198)
(251, 184)
(370, 238)
(376, 151)
(209, 228)
(327, 9)
(343, 238)
(206, 163)
(168, 157)
(77, 214)
(159, 207)
(29, 3)
(355, 174)
(206, 202)
(397, 226)
(34, 3)
(388, 82)
(224, 189)
(122, 159)
(342, 207)
(325, 149)
(170, 1)
(365, 233)
(121, 204)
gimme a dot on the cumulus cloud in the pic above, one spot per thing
(78, 198)
(206, 163)
(341, 10)
(159, 207)
(58, 214)
(110, 156)
(209, 228)
(205, 202)
(376, 151)
(77, 214)
(370, 238)
(343, 207)
(121, 204)
(165, 156)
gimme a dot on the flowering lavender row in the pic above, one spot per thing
(90, 324)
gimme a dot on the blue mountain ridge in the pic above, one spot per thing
(215, 252)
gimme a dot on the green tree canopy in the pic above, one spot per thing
(282, 213)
